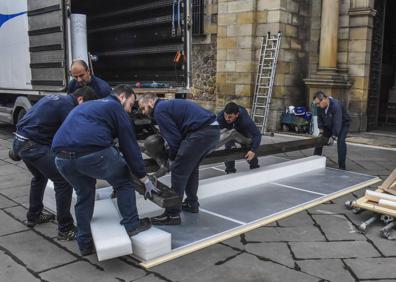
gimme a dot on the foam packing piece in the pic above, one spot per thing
(110, 237)
(237, 181)
(151, 243)
(387, 203)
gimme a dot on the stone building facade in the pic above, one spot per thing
(338, 46)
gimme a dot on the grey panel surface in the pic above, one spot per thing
(196, 227)
(326, 181)
(257, 202)
(207, 171)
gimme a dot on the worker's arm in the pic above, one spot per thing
(169, 131)
(128, 144)
(336, 120)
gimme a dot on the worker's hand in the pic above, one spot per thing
(150, 188)
(250, 155)
(331, 140)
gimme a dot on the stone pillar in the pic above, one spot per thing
(329, 35)
(328, 77)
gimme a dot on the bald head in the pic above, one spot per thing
(80, 72)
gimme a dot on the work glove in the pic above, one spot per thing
(150, 188)
(331, 140)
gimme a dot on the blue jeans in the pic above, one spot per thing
(230, 165)
(185, 169)
(82, 173)
(341, 145)
(41, 163)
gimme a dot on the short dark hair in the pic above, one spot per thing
(88, 93)
(320, 95)
(80, 62)
(124, 88)
(231, 108)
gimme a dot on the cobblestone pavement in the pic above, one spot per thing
(320, 244)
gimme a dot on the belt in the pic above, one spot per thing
(71, 155)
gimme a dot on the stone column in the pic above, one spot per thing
(329, 35)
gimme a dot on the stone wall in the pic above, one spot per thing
(204, 57)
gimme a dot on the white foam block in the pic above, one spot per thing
(151, 243)
(232, 182)
(49, 201)
(110, 237)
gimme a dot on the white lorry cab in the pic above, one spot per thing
(142, 43)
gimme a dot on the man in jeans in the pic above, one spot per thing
(333, 122)
(236, 117)
(84, 152)
(32, 142)
(191, 133)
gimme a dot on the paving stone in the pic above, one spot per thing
(373, 268)
(13, 271)
(18, 212)
(35, 252)
(312, 250)
(23, 200)
(190, 265)
(15, 180)
(49, 229)
(246, 267)
(277, 252)
(9, 225)
(77, 272)
(338, 227)
(15, 192)
(328, 269)
(285, 234)
(10, 169)
(387, 247)
(5, 203)
(299, 219)
(149, 278)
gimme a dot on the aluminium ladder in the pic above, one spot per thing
(265, 79)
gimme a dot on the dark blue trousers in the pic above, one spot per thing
(341, 145)
(41, 163)
(230, 165)
(185, 168)
(82, 173)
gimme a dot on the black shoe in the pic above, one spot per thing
(231, 170)
(69, 235)
(88, 251)
(42, 218)
(254, 166)
(188, 207)
(165, 219)
(144, 224)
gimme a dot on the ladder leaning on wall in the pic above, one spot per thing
(265, 80)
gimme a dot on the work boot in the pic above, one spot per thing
(166, 219)
(68, 235)
(42, 218)
(88, 251)
(188, 207)
(254, 166)
(144, 224)
(230, 170)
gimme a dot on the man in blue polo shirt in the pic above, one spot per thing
(82, 77)
(191, 133)
(84, 152)
(236, 117)
(32, 142)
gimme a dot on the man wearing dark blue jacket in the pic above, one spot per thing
(333, 123)
(191, 133)
(32, 142)
(84, 152)
(83, 77)
(236, 117)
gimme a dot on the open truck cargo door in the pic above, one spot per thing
(47, 44)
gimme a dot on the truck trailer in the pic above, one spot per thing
(143, 43)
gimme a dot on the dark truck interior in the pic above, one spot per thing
(136, 41)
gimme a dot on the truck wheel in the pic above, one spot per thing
(21, 113)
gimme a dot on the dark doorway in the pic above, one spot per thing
(381, 106)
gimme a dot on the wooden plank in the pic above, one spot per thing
(389, 185)
(47, 56)
(34, 4)
(49, 74)
(47, 39)
(47, 20)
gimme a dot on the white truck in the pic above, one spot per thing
(125, 41)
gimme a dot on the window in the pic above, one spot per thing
(197, 17)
